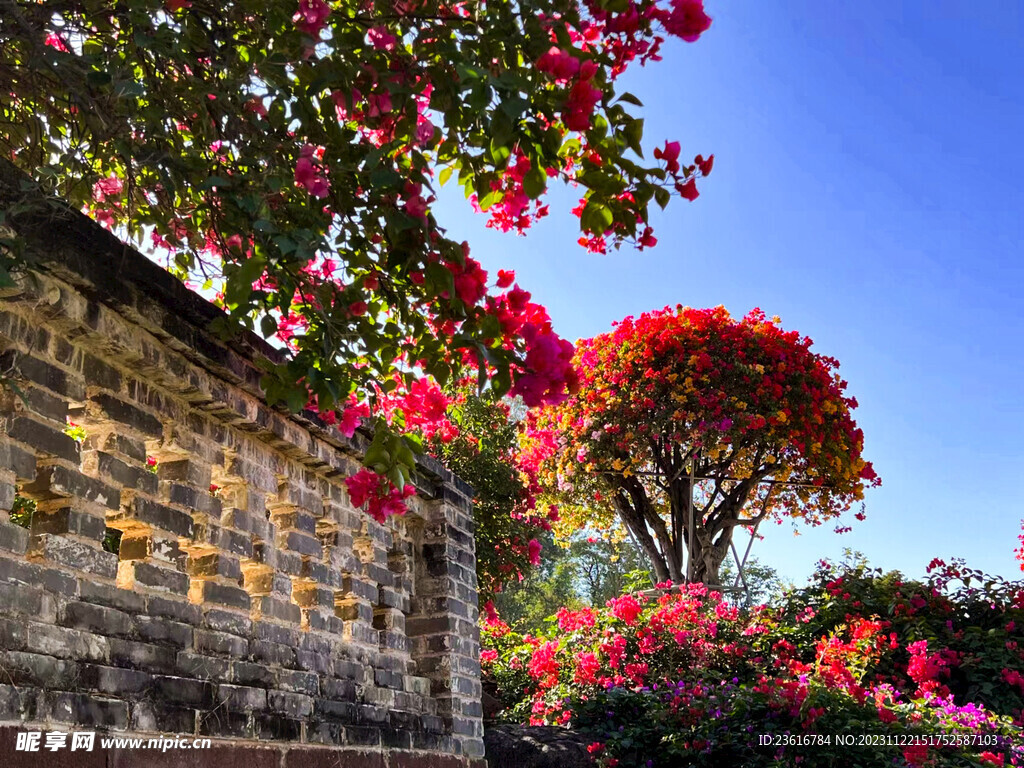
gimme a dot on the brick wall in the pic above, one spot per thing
(245, 599)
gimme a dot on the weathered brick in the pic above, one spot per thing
(202, 667)
(208, 641)
(134, 574)
(113, 597)
(158, 717)
(248, 673)
(174, 609)
(275, 608)
(87, 710)
(21, 668)
(96, 618)
(239, 697)
(113, 680)
(221, 594)
(162, 517)
(44, 439)
(18, 460)
(138, 655)
(67, 519)
(51, 377)
(126, 446)
(28, 601)
(183, 691)
(215, 564)
(298, 682)
(79, 555)
(266, 652)
(293, 705)
(118, 410)
(66, 643)
(18, 703)
(156, 629)
(187, 471)
(126, 475)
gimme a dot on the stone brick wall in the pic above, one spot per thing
(247, 600)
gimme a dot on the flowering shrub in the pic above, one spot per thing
(682, 677)
(763, 422)
(286, 155)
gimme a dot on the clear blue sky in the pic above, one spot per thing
(868, 189)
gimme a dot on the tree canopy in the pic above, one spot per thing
(689, 406)
(285, 155)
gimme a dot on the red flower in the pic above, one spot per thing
(625, 608)
(670, 154)
(686, 20)
(505, 278)
(688, 190)
(535, 548)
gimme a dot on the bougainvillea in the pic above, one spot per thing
(761, 422)
(286, 155)
(682, 677)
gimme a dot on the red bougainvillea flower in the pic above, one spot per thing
(686, 20)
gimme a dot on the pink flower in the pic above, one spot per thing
(535, 548)
(380, 103)
(358, 308)
(688, 190)
(587, 667)
(424, 131)
(54, 41)
(704, 165)
(352, 417)
(505, 278)
(311, 17)
(381, 39)
(307, 173)
(561, 64)
(579, 107)
(625, 608)
(108, 187)
(670, 154)
(686, 20)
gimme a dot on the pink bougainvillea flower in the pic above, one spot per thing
(562, 65)
(670, 154)
(686, 20)
(311, 17)
(382, 39)
(535, 548)
(505, 278)
(688, 190)
(108, 187)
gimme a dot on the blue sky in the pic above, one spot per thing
(867, 189)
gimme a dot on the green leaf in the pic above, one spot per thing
(629, 98)
(597, 218)
(662, 196)
(444, 175)
(535, 182)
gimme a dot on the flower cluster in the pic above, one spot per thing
(680, 676)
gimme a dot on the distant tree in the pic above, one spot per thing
(760, 582)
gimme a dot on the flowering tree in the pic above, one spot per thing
(690, 412)
(284, 154)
